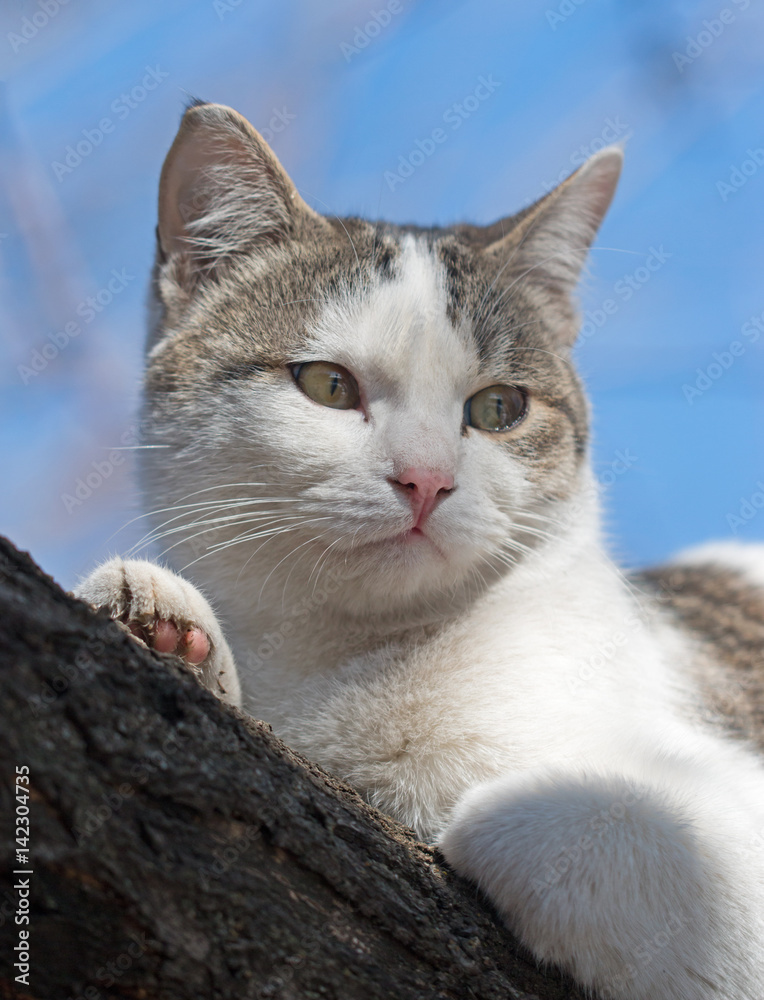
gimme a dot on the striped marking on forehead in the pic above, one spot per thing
(399, 328)
(480, 296)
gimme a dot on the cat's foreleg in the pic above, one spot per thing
(169, 614)
(633, 891)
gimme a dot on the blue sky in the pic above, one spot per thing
(674, 362)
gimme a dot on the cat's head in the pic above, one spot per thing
(392, 408)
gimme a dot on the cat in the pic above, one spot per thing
(368, 445)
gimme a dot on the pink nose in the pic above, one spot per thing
(425, 489)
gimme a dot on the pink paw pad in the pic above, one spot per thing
(193, 645)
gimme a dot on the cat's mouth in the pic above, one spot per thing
(409, 540)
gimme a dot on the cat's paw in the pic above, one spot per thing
(168, 614)
(626, 887)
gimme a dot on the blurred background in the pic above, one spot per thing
(348, 93)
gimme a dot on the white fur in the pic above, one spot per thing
(537, 733)
(747, 559)
(138, 591)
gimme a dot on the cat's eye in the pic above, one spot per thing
(497, 408)
(327, 384)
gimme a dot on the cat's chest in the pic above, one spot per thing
(409, 747)
(413, 728)
(413, 724)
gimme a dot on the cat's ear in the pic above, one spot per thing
(222, 193)
(547, 243)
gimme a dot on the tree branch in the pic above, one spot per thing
(180, 850)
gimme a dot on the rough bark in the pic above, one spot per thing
(180, 850)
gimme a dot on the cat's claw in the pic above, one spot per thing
(168, 614)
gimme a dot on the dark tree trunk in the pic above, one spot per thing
(180, 850)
